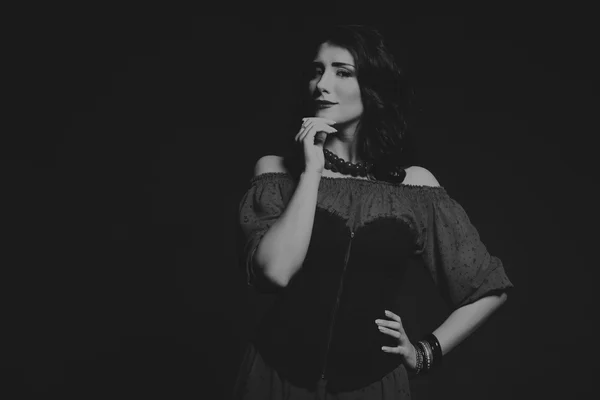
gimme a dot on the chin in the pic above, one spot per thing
(325, 113)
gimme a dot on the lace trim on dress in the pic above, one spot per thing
(365, 183)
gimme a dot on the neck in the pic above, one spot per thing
(344, 143)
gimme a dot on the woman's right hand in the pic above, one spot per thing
(312, 135)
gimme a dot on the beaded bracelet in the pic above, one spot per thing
(419, 365)
(436, 348)
(429, 353)
(427, 356)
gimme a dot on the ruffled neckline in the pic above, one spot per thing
(350, 180)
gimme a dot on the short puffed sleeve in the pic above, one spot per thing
(458, 261)
(262, 204)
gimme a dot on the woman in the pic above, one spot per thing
(331, 233)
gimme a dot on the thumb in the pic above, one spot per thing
(320, 138)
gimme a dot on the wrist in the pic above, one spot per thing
(418, 365)
(413, 359)
(311, 174)
(428, 354)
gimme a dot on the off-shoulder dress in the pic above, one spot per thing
(320, 338)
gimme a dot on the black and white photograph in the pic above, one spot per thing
(392, 206)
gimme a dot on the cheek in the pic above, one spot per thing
(356, 98)
(350, 92)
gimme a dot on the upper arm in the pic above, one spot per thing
(420, 176)
(269, 163)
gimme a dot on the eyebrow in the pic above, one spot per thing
(335, 64)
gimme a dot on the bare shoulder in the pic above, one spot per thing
(269, 163)
(420, 176)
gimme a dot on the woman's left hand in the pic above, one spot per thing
(394, 328)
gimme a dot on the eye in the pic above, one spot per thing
(315, 72)
(344, 73)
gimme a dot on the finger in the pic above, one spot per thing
(321, 133)
(325, 128)
(307, 132)
(394, 350)
(307, 125)
(306, 121)
(327, 121)
(303, 130)
(400, 350)
(390, 332)
(392, 315)
(300, 132)
(395, 318)
(390, 324)
(312, 128)
(320, 138)
(321, 122)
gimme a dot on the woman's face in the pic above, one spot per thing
(333, 87)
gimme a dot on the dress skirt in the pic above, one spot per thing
(258, 381)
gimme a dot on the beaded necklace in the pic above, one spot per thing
(363, 169)
(336, 164)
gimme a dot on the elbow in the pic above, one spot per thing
(272, 271)
(497, 297)
(269, 276)
(497, 300)
(279, 282)
(275, 277)
(267, 283)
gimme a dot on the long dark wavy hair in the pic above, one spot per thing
(383, 133)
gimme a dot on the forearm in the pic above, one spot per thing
(283, 248)
(465, 320)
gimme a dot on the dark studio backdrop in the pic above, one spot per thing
(136, 138)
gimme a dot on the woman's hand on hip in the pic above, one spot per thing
(395, 329)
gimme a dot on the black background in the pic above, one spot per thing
(132, 138)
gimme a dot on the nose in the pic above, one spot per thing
(324, 82)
